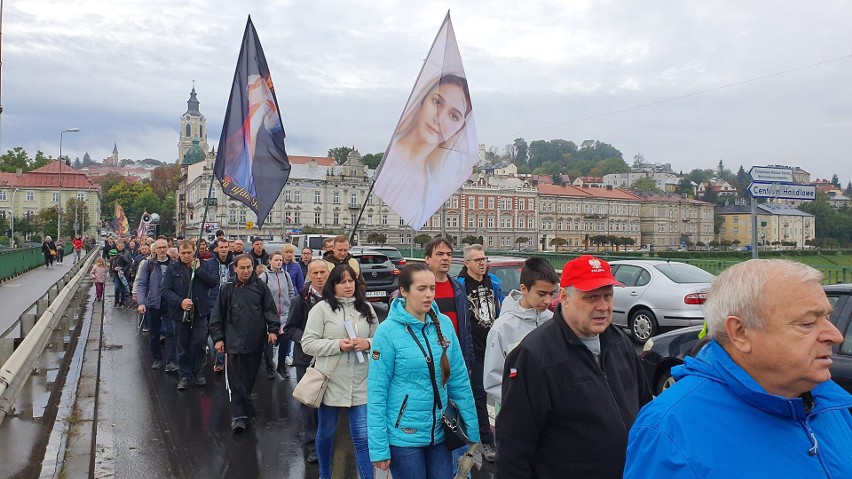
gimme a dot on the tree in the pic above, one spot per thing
(521, 151)
(645, 184)
(46, 222)
(164, 181)
(373, 159)
(87, 160)
(741, 182)
(835, 180)
(14, 159)
(377, 238)
(340, 153)
(422, 239)
(492, 156)
(77, 163)
(609, 166)
(40, 160)
(470, 239)
(558, 243)
(521, 240)
(685, 186)
(723, 173)
(126, 162)
(848, 191)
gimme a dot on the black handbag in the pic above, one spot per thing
(455, 432)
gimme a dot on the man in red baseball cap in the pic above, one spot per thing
(573, 387)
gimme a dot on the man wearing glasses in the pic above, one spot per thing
(484, 297)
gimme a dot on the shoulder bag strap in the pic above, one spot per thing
(431, 363)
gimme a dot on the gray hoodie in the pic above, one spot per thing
(281, 286)
(510, 328)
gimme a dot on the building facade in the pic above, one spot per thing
(776, 225)
(25, 195)
(673, 222)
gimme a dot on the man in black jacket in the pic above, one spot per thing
(189, 311)
(310, 295)
(573, 387)
(121, 265)
(244, 319)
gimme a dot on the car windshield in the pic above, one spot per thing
(685, 273)
(392, 253)
(372, 259)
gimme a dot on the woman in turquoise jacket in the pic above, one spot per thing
(404, 428)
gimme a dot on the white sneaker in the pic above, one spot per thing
(288, 360)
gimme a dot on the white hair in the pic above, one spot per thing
(741, 291)
(470, 248)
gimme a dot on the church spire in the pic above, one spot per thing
(192, 103)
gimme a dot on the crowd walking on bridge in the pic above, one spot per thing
(569, 393)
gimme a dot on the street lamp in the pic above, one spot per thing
(59, 208)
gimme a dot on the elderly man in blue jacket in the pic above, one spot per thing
(758, 400)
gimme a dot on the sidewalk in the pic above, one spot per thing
(17, 294)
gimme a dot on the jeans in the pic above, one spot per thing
(480, 400)
(191, 346)
(428, 462)
(357, 429)
(269, 353)
(120, 292)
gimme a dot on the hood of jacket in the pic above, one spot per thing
(512, 307)
(713, 363)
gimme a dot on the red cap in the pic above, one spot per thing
(587, 273)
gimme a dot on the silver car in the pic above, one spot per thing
(658, 294)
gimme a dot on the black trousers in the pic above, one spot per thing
(308, 415)
(481, 401)
(242, 373)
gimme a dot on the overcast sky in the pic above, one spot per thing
(121, 71)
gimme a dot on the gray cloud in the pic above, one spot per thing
(122, 71)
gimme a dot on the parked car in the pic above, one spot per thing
(662, 353)
(379, 273)
(392, 253)
(506, 268)
(658, 294)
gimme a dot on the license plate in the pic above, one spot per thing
(376, 294)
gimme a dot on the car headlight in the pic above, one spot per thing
(648, 345)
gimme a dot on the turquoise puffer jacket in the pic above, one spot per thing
(401, 409)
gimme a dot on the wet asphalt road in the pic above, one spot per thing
(146, 428)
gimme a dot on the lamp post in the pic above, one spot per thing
(59, 208)
(12, 219)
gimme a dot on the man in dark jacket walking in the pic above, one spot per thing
(310, 295)
(244, 320)
(222, 267)
(189, 311)
(258, 252)
(121, 265)
(573, 387)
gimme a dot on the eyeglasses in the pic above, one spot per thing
(479, 260)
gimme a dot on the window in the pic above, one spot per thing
(480, 222)
(317, 218)
(369, 220)
(3, 196)
(335, 198)
(470, 222)
(81, 196)
(55, 197)
(506, 222)
(353, 218)
(317, 197)
(297, 196)
(335, 218)
(736, 219)
(242, 214)
(531, 222)
(353, 200)
(384, 220)
(297, 218)
(288, 196)
(481, 203)
(401, 222)
(521, 222)
(736, 230)
(188, 130)
(454, 201)
(470, 202)
(491, 221)
(232, 216)
(521, 203)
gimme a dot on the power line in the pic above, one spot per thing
(675, 98)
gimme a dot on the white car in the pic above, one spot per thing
(658, 294)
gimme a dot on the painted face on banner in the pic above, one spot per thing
(442, 113)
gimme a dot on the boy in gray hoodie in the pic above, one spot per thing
(522, 312)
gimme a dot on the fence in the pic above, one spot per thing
(19, 261)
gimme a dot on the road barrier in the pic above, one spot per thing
(50, 308)
(14, 262)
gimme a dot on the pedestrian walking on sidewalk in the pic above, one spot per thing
(281, 286)
(60, 250)
(77, 244)
(244, 320)
(98, 275)
(48, 249)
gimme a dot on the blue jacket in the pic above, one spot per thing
(150, 283)
(222, 270)
(401, 409)
(717, 421)
(295, 272)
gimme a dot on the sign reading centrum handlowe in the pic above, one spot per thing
(783, 191)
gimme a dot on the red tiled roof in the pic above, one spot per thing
(672, 199)
(304, 160)
(556, 190)
(48, 177)
(614, 194)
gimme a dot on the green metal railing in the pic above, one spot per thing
(19, 261)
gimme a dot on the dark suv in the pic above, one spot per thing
(392, 253)
(379, 273)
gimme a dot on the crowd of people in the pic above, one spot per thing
(570, 396)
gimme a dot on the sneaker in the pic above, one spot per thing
(312, 456)
(200, 381)
(157, 364)
(218, 368)
(183, 384)
(489, 452)
(238, 425)
(144, 329)
(283, 372)
(288, 360)
(270, 374)
(171, 368)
